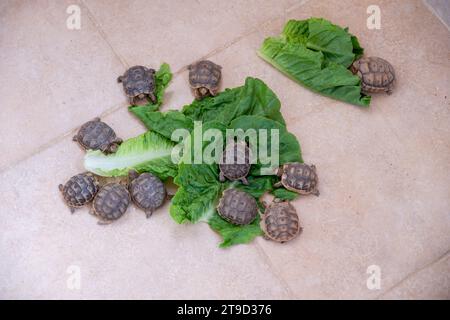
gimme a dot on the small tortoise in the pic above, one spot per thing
(79, 190)
(280, 221)
(139, 82)
(376, 74)
(299, 177)
(235, 162)
(237, 207)
(204, 78)
(97, 135)
(147, 191)
(111, 202)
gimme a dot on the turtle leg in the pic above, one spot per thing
(197, 94)
(72, 210)
(151, 96)
(106, 148)
(148, 213)
(61, 187)
(132, 101)
(120, 79)
(222, 177)
(266, 237)
(103, 222)
(96, 119)
(278, 184)
(75, 138)
(389, 91)
(244, 181)
(316, 193)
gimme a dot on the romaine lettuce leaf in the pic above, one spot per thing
(316, 54)
(148, 152)
(253, 98)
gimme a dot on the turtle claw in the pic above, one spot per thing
(148, 213)
(278, 184)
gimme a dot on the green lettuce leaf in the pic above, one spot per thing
(253, 98)
(317, 54)
(289, 148)
(148, 152)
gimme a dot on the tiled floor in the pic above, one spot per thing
(385, 184)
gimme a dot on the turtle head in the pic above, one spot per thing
(132, 174)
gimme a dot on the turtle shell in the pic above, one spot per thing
(147, 192)
(205, 74)
(96, 135)
(376, 74)
(237, 207)
(138, 80)
(235, 161)
(300, 178)
(111, 202)
(280, 222)
(79, 190)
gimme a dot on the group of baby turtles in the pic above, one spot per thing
(110, 201)
(146, 191)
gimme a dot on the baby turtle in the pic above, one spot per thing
(204, 78)
(147, 191)
(237, 207)
(235, 162)
(79, 190)
(111, 202)
(139, 82)
(280, 221)
(97, 135)
(376, 74)
(299, 177)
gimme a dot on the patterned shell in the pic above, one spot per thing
(236, 161)
(138, 80)
(237, 207)
(95, 135)
(300, 178)
(205, 74)
(80, 189)
(376, 74)
(280, 222)
(111, 202)
(147, 191)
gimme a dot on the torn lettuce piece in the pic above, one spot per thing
(317, 54)
(148, 152)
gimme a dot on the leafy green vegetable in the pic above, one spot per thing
(162, 122)
(162, 79)
(252, 106)
(254, 98)
(289, 148)
(148, 152)
(316, 54)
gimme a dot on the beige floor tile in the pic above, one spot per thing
(53, 78)
(178, 32)
(132, 258)
(384, 187)
(432, 282)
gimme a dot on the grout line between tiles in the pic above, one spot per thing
(56, 140)
(274, 270)
(102, 33)
(433, 11)
(412, 274)
(125, 64)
